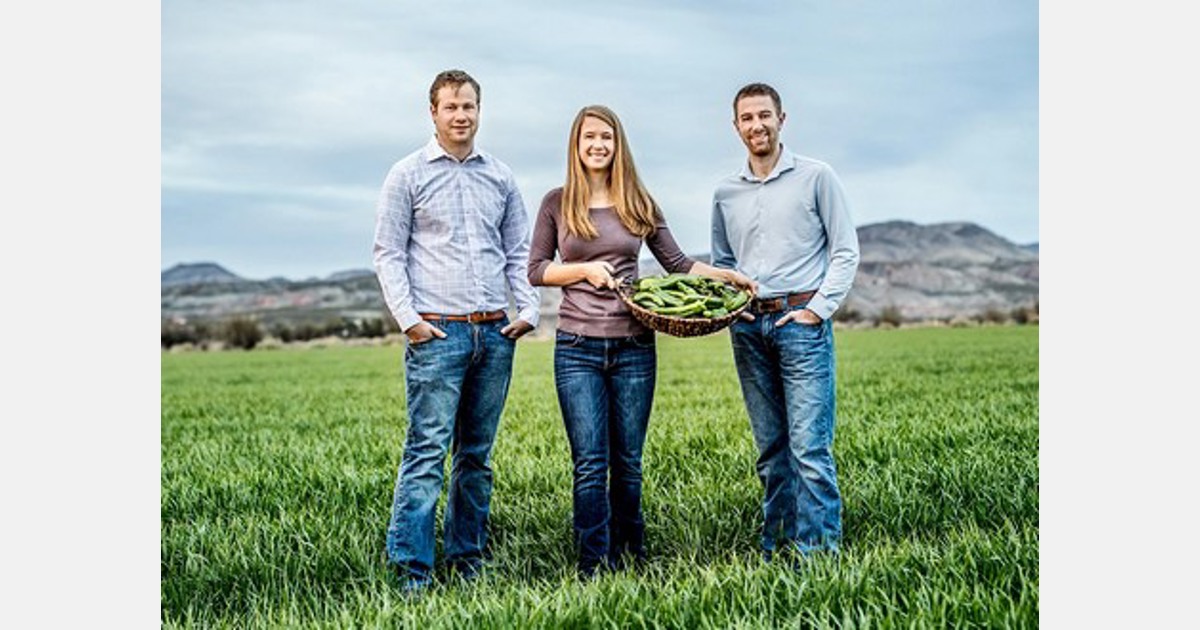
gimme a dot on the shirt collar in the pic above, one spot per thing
(785, 163)
(434, 151)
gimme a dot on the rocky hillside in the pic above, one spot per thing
(925, 271)
(354, 294)
(941, 271)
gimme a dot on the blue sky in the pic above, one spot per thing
(279, 120)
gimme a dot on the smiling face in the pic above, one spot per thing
(456, 117)
(597, 145)
(758, 124)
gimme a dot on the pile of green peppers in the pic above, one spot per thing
(687, 295)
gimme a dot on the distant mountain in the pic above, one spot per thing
(954, 244)
(925, 271)
(941, 271)
(350, 274)
(198, 273)
(207, 272)
(207, 292)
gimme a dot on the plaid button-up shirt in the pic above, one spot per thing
(451, 237)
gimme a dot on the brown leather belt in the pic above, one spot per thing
(474, 318)
(775, 305)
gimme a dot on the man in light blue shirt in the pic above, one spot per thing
(451, 243)
(783, 220)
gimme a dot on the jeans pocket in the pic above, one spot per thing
(644, 340)
(414, 347)
(567, 339)
(421, 344)
(807, 333)
(497, 330)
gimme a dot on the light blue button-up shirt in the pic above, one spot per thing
(450, 237)
(790, 231)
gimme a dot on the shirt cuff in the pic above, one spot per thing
(821, 306)
(408, 318)
(529, 314)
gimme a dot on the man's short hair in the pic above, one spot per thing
(453, 78)
(758, 89)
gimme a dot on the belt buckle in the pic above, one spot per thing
(773, 305)
(481, 316)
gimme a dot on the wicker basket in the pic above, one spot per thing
(678, 326)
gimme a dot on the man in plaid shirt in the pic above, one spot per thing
(451, 244)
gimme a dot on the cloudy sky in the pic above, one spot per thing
(279, 120)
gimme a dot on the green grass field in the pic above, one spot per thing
(278, 468)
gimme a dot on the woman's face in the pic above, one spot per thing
(597, 143)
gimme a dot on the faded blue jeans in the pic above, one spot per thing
(605, 391)
(787, 378)
(455, 389)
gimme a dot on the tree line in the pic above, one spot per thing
(246, 332)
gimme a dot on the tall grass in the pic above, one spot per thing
(278, 468)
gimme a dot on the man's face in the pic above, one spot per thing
(456, 114)
(758, 124)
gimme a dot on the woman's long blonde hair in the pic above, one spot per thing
(635, 207)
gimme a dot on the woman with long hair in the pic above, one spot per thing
(604, 359)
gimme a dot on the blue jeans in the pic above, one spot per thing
(605, 390)
(455, 389)
(787, 378)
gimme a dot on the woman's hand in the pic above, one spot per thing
(599, 274)
(739, 280)
(732, 276)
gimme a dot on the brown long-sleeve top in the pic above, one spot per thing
(586, 310)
